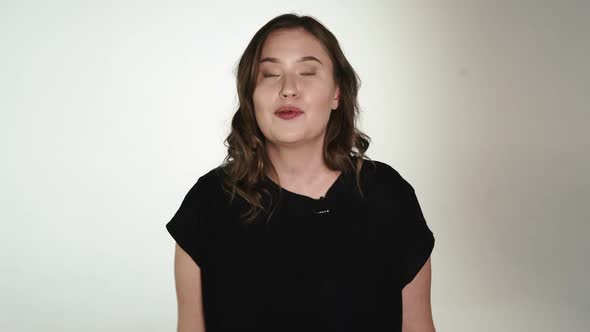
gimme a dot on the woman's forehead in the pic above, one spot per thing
(292, 46)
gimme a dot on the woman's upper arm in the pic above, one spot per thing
(417, 312)
(188, 292)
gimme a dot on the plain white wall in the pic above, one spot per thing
(111, 110)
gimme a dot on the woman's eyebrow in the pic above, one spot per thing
(302, 59)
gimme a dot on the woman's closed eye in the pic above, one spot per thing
(274, 75)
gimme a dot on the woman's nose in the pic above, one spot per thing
(289, 87)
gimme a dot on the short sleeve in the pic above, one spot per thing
(416, 240)
(185, 225)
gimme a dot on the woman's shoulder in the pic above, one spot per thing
(207, 186)
(381, 171)
(212, 178)
(384, 179)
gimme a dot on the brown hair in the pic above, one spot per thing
(247, 162)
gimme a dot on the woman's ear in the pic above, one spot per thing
(336, 100)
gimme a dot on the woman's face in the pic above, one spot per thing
(294, 70)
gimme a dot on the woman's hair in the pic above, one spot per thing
(247, 162)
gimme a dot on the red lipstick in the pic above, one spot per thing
(288, 112)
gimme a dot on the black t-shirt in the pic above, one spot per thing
(337, 263)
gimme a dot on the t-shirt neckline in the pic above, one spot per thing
(329, 193)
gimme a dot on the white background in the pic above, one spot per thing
(110, 111)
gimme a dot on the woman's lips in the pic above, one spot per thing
(287, 115)
(288, 112)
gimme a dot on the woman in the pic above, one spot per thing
(297, 230)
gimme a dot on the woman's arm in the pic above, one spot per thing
(417, 313)
(188, 292)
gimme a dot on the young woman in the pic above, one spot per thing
(298, 230)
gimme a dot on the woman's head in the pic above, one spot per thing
(323, 85)
(295, 70)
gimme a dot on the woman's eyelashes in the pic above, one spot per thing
(275, 75)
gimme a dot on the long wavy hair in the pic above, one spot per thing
(247, 163)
